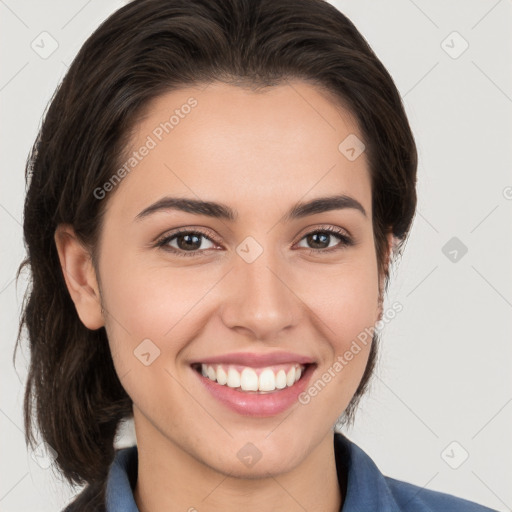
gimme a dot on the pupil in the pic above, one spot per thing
(312, 239)
(188, 244)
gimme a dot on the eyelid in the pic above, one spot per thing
(326, 227)
(207, 233)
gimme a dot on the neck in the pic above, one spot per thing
(170, 479)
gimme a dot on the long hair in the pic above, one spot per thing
(146, 48)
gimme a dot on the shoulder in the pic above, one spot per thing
(366, 488)
(410, 497)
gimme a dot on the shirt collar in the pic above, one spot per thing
(366, 486)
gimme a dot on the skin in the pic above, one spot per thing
(260, 153)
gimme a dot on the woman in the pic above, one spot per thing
(216, 195)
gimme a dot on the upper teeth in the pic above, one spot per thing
(248, 379)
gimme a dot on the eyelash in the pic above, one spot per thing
(345, 240)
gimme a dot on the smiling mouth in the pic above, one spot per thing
(247, 379)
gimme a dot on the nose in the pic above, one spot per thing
(260, 300)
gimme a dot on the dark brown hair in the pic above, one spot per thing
(145, 49)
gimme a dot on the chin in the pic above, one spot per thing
(242, 458)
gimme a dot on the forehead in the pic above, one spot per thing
(243, 146)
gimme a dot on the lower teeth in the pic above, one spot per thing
(255, 392)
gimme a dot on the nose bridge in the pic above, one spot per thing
(262, 301)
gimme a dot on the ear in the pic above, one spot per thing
(391, 244)
(80, 276)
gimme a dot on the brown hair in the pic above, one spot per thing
(145, 49)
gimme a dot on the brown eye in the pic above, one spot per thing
(326, 239)
(185, 243)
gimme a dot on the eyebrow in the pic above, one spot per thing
(222, 211)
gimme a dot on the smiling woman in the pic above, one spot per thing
(215, 197)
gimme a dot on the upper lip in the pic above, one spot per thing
(256, 359)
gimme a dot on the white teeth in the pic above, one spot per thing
(281, 379)
(290, 376)
(249, 380)
(267, 380)
(233, 378)
(212, 375)
(222, 377)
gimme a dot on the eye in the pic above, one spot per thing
(185, 242)
(320, 240)
(190, 242)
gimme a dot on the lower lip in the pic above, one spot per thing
(257, 404)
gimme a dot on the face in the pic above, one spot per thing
(247, 292)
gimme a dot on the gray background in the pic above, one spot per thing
(443, 390)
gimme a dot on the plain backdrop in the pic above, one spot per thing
(439, 413)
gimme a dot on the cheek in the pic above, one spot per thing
(346, 303)
(153, 314)
(346, 298)
(152, 303)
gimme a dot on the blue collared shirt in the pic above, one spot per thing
(368, 490)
